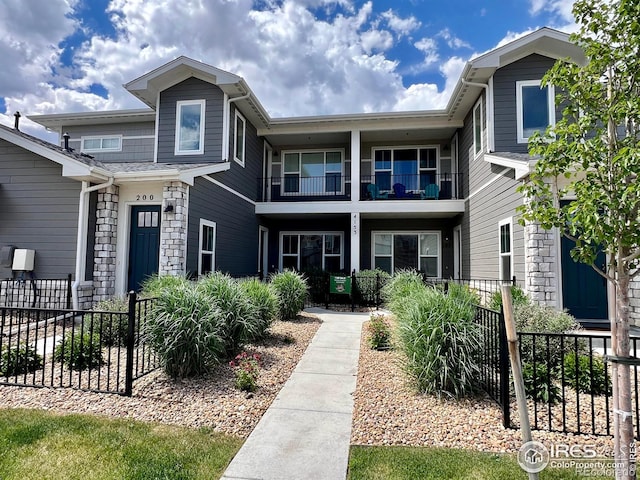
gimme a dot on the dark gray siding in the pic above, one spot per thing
(491, 197)
(236, 228)
(133, 149)
(39, 210)
(191, 89)
(444, 226)
(532, 67)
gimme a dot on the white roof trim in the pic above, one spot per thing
(522, 167)
(187, 176)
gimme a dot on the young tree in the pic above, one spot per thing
(592, 154)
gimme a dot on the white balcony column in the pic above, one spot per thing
(355, 165)
(355, 241)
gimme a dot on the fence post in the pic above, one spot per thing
(446, 288)
(326, 282)
(503, 358)
(68, 307)
(128, 383)
(353, 290)
(513, 281)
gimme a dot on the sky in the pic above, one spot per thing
(300, 57)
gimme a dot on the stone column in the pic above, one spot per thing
(104, 263)
(634, 302)
(541, 278)
(173, 231)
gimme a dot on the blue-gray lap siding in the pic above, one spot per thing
(137, 140)
(39, 210)
(491, 197)
(532, 67)
(236, 249)
(191, 89)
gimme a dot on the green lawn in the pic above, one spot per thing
(411, 463)
(41, 445)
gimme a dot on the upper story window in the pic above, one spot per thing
(414, 168)
(239, 139)
(107, 143)
(535, 107)
(478, 128)
(190, 127)
(313, 172)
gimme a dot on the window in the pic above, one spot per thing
(535, 108)
(413, 250)
(190, 127)
(239, 139)
(207, 250)
(506, 248)
(111, 143)
(311, 251)
(477, 128)
(414, 168)
(312, 173)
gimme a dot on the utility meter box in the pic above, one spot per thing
(6, 256)
(23, 260)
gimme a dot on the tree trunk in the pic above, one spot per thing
(625, 442)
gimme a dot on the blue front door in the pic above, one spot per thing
(144, 244)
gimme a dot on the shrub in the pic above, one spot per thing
(367, 284)
(79, 350)
(18, 360)
(379, 331)
(540, 382)
(238, 320)
(518, 297)
(112, 328)
(590, 376)
(440, 341)
(291, 288)
(184, 331)
(155, 285)
(464, 294)
(265, 301)
(247, 370)
(402, 285)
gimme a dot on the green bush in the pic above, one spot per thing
(111, 327)
(440, 341)
(19, 360)
(379, 331)
(540, 382)
(518, 297)
(238, 320)
(367, 284)
(79, 350)
(402, 285)
(291, 288)
(590, 376)
(155, 285)
(463, 293)
(265, 301)
(184, 331)
(247, 370)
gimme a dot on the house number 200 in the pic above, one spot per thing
(144, 197)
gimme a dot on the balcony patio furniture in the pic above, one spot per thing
(400, 190)
(375, 193)
(431, 192)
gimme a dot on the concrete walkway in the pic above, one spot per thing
(305, 433)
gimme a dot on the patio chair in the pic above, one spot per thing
(431, 192)
(375, 193)
(400, 190)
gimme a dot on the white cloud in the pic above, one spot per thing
(453, 41)
(402, 26)
(429, 48)
(558, 7)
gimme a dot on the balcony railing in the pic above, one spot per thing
(381, 186)
(296, 188)
(421, 186)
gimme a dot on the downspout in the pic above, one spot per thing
(486, 109)
(81, 241)
(227, 123)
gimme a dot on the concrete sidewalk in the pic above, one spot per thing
(305, 433)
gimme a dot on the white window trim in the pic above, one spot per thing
(551, 105)
(395, 232)
(100, 150)
(478, 151)
(506, 221)
(299, 234)
(179, 105)
(299, 171)
(405, 147)
(238, 115)
(211, 224)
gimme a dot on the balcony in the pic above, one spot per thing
(295, 188)
(423, 186)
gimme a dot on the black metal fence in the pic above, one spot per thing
(36, 293)
(87, 350)
(365, 290)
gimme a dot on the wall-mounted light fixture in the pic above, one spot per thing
(168, 207)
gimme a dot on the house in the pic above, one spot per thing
(204, 179)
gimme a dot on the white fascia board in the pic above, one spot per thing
(187, 176)
(522, 168)
(58, 120)
(396, 208)
(283, 208)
